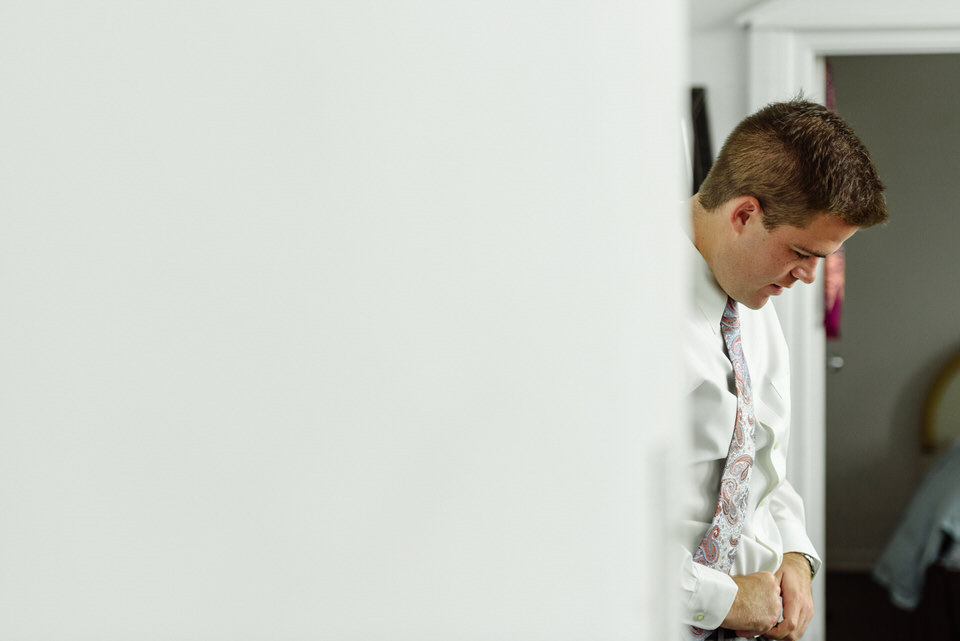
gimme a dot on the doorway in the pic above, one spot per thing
(900, 310)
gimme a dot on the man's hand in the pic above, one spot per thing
(756, 608)
(794, 577)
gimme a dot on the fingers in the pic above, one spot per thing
(780, 632)
(796, 617)
(756, 608)
(794, 580)
(788, 629)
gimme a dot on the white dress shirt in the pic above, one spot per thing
(774, 521)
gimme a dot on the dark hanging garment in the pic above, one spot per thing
(702, 150)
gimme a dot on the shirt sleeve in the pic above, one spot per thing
(707, 594)
(786, 506)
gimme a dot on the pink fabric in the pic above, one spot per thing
(833, 289)
(833, 280)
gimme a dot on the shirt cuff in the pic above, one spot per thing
(800, 543)
(709, 596)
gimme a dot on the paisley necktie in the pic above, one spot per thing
(719, 546)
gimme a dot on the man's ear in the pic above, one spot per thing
(743, 210)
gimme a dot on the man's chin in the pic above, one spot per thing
(756, 302)
(760, 298)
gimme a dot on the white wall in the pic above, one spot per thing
(899, 322)
(718, 61)
(338, 320)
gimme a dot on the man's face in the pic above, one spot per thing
(763, 263)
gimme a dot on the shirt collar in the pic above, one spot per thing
(708, 297)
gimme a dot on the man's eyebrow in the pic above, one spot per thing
(809, 251)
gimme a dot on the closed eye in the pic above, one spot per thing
(804, 253)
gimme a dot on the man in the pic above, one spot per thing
(791, 184)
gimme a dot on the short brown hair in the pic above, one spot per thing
(797, 159)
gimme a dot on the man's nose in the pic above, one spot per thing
(806, 270)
